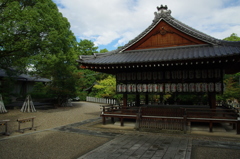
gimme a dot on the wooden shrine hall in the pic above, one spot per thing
(169, 57)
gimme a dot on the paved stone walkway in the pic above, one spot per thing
(160, 147)
(155, 145)
(142, 146)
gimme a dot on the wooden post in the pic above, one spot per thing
(212, 100)
(122, 124)
(137, 100)
(146, 99)
(210, 126)
(161, 102)
(238, 125)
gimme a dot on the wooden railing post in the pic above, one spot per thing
(185, 121)
(138, 120)
(238, 125)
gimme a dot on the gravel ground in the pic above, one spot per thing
(46, 142)
(50, 118)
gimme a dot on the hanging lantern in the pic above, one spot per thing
(167, 87)
(155, 87)
(129, 87)
(211, 87)
(139, 87)
(144, 88)
(191, 74)
(179, 74)
(150, 88)
(204, 87)
(160, 75)
(204, 73)
(198, 73)
(179, 87)
(185, 74)
(124, 88)
(134, 88)
(173, 87)
(139, 76)
(160, 87)
(218, 87)
(185, 87)
(210, 73)
(198, 87)
(167, 74)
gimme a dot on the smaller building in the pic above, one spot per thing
(24, 83)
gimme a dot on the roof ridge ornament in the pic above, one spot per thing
(162, 8)
(162, 12)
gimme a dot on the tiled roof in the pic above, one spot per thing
(214, 47)
(165, 54)
(24, 77)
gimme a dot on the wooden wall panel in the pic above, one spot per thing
(164, 35)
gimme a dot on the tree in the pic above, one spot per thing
(35, 33)
(232, 37)
(232, 81)
(103, 50)
(106, 88)
(86, 47)
(28, 29)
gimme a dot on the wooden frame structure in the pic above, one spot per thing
(168, 56)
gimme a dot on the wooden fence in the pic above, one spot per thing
(101, 100)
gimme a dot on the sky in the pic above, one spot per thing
(113, 23)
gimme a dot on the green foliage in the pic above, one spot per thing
(86, 47)
(232, 81)
(40, 91)
(106, 88)
(35, 33)
(31, 28)
(6, 87)
(232, 89)
(191, 99)
(232, 37)
(103, 51)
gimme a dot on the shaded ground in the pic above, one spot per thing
(71, 132)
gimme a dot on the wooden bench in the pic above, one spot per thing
(213, 116)
(5, 123)
(117, 112)
(26, 120)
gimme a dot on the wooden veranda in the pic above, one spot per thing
(173, 117)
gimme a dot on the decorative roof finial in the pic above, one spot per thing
(162, 8)
(163, 12)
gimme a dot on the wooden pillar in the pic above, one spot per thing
(161, 102)
(124, 100)
(146, 99)
(137, 102)
(212, 100)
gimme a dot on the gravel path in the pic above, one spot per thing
(47, 142)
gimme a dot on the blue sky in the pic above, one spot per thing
(112, 23)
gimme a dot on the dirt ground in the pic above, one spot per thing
(49, 117)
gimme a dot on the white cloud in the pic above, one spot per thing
(104, 21)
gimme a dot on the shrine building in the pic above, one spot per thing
(168, 57)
